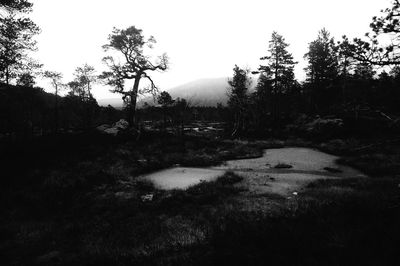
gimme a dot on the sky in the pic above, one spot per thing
(203, 39)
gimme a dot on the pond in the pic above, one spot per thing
(182, 177)
(278, 171)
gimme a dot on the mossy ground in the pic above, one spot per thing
(76, 202)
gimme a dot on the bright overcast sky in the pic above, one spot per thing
(203, 38)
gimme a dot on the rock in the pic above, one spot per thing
(103, 127)
(115, 129)
(112, 131)
(147, 197)
(121, 124)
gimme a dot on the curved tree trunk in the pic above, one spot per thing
(132, 104)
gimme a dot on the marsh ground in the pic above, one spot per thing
(77, 202)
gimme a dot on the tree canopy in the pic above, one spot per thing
(383, 44)
(322, 58)
(280, 64)
(16, 5)
(16, 40)
(82, 84)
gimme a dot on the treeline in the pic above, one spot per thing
(176, 113)
(27, 111)
(354, 80)
(357, 81)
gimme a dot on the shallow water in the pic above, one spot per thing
(182, 177)
(302, 160)
(259, 174)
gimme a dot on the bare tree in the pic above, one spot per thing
(134, 65)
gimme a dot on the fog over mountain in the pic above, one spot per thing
(201, 92)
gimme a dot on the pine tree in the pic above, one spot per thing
(278, 73)
(238, 98)
(16, 39)
(322, 59)
(322, 71)
(136, 64)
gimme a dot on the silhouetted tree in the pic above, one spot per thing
(322, 70)
(181, 113)
(387, 26)
(322, 59)
(16, 38)
(55, 78)
(135, 65)
(166, 101)
(262, 102)
(345, 59)
(26, 79)
(346, 64)
(82, 84)
(238, 98)
(278, 72)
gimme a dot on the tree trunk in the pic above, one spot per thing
(132, 104)
(7, 75)
(56, 112)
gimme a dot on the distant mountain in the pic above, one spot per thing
(114, 102)
(201, 92)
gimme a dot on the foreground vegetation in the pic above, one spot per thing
(84, 206)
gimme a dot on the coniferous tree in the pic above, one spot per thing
(322, 59)
(262, 101)
(322, 71)
(166, 101)
(278, 74)
(238, 99)
(16, 39)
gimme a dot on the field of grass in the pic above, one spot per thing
(77, 202)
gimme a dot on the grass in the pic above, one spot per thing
(77, 202)
(336, 222)
(204, 193)
(375, 157)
